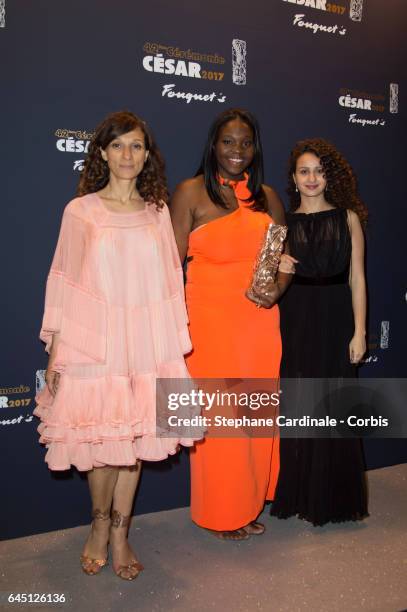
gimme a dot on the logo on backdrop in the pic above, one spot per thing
(2, 13)
(13, 397)
(73, 141)
(378, 341)
(355, 10)
(39, 380)
(239, 61)
(342, 10)
(384, 334)
(394, 98)
(183, 64)
(369, 109)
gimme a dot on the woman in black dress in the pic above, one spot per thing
(323, 329)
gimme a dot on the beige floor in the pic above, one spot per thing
(293, 567)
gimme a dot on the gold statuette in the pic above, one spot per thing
(267, 261)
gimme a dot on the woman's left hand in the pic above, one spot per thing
(357, 348)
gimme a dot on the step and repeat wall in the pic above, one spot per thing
(305, 68)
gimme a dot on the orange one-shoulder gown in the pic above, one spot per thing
(230, 477)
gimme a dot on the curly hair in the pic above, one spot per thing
(151, 183)
(209, 164)
(341, 190)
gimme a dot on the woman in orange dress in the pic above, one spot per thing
(220, 217)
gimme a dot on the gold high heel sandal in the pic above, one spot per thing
(91, 566)
(134, 568)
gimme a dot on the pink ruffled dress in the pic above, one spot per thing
(115, 294)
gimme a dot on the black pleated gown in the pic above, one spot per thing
(321, 480)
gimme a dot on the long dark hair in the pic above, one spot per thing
(209, 166)
(151, 182)
(341, 190)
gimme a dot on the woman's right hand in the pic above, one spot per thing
(51, 376)
(263, 301)
(52, 379)
(287, 264)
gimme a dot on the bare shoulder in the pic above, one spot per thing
(270, 191)
(186, 197)
(275, 205)
(353, 219)
(189, 187)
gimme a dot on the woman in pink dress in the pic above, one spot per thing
(114, 322)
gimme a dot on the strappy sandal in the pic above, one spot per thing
(92, 566)
(255, 528)
(235, 535)
(131, 570)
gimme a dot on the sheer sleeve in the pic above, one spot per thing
(175, 278)
(73, 306)
(54, 293)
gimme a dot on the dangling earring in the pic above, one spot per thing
(296, 188)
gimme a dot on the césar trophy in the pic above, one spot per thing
(267, 262)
